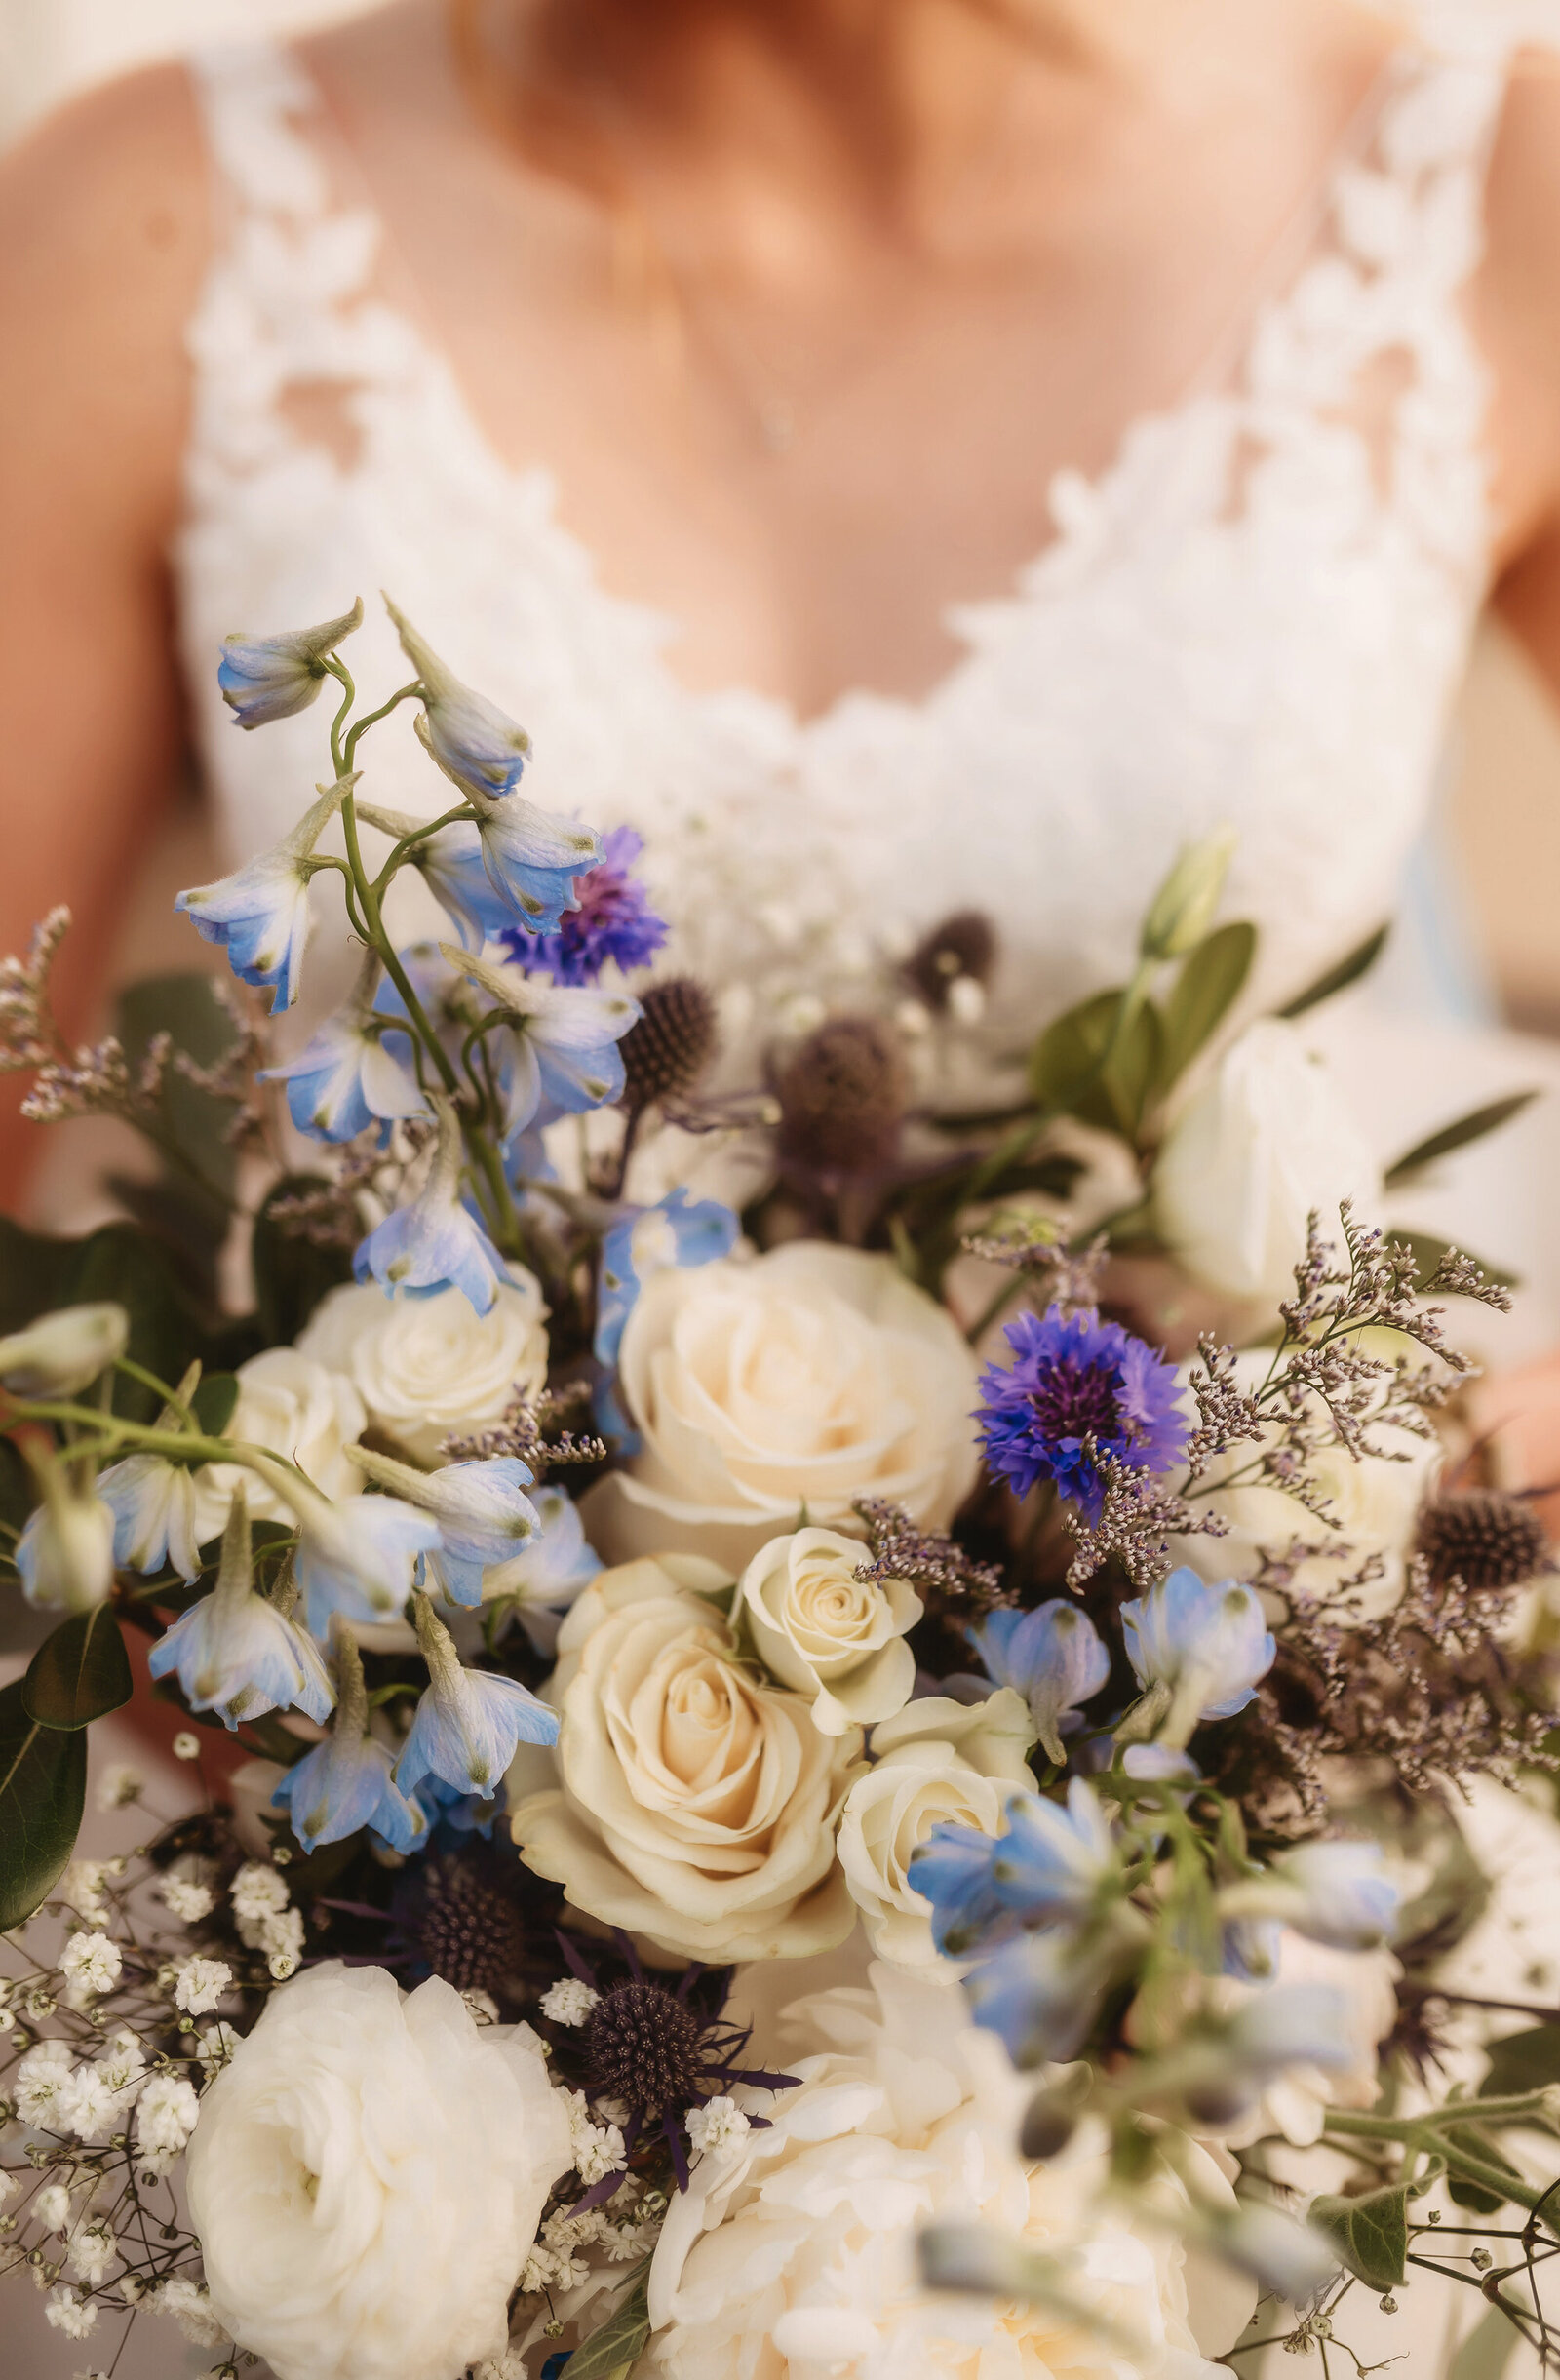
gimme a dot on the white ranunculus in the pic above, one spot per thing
(936, 1763)
(684, 1801)
(781, 1389)
(1263, 1145)
(367, 2178)
(1373, 1506)
(300, 1411)
(825, 1633)
(794, 2252)
(428, 1367)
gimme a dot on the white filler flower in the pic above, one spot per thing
(367, 2177)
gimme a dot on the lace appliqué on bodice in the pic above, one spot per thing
(1257, 615)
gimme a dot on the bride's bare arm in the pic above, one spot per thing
(102, 239)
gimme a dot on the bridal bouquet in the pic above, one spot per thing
(853, 1682)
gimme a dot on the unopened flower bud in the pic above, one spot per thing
(842, 1098)
(61, 1354)
(266, 678)
(66, 1554)
(1184, 904)
(1050, 2121)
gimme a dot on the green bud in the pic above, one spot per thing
(1185, 903)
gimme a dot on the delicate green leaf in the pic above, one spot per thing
(1522, 2061)
(1459, 1135)
(1068, 1055)
(1337, 978)
(213, 1401)
(1204, 992)
(620, 2340)
(291, 1273)
(80, 1673)
(43, 1788)
(1487, 2350)
(186, 1007)
(1370, 2234)
(1069, 1073)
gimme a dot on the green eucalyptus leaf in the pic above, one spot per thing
(80, 1673)
(1202, 996)
(186, 1007)
(1087, 1064)
(620, 2340)
(43, 1789)
(213, 1401)
(1522, 2061)
(1370, 2234)
(1461, 1134)
(1350, 970)
(291, 1273)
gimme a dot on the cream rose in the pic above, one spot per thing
(428, 1367)
(937, 1762)
(693, 1806)
(366, 2177)
(300, 1410)
(781, 1389)
(823, 1632)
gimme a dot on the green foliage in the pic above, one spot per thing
(196, 1121)
(1522, 2061)
(43, 1788)
(80, 1673)
(1350, 970)
(119, 1262)
(1370, 2233)
(213, 1401)
(1091, 1065)
(1202, 996)
(291, 1275)
(1461, 1134)
(1487, 2350)
(620, 2341)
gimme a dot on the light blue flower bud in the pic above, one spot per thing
(238, 1653)
(355, 1072)
(1052, 1656)
(260, 914)
(1209, 1645)
(1334, 1893)
(345, 1782)
(531, 859)
(470, 738)
(266, 678)
(1040, 1993)
(65, 1553)
(356, 1558)
(549, 1574)
(484, 1517)
(469, 1722)
(153, 1504)
(435, 1242)
(62, 1353)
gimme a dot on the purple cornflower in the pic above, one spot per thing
(614, 920)
(1074, 1380)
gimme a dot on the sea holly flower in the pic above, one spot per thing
(65, 1553)
(260, 914)
(356, 1558)
(612, 924)
(356, 1071)
(62, 1353)
(469, 1721)
(153, 1504)
(1334, 1893)
(484, 1518)
(1052, 1656)
(435, 1242)
(237, 1652)
(450, 864)
(266, 678)
(565, 1051)
(476, 746)
(1078, 1388)
(346, 1783)
(1208, 1646)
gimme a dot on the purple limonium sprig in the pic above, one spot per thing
(614, 924)
(1078, 1388)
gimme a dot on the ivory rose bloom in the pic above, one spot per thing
(823, 1632)
(367, 2178)
(428, 1367)
(793, 2253)
(1263, 1145)
(782, 1387)
(692, 1805)
(938, 1762)
(301, 1411)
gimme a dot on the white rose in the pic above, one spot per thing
(691, 1803)
(1373, 1504)
(367, 2178)
(428, 1367)
(795, 2252)
(937, 1762)
(298, 1410)
(823, 1632)
(781, 1389)
(1266, 1142)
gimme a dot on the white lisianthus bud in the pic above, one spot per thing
(1185, 904)
(61, 1354)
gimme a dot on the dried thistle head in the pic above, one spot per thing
(842, 1098)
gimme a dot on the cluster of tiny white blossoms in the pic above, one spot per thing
(570, 2002)
(618, 2233)
(597, 2148)
(717, 2126)
(265, 1920)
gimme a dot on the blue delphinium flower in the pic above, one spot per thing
(1075, 1379)
(1052, 1656)
(450, 865)
(356, 1071)
(1053, 1862)
(484, 1515)
(1334, 1892)
(238, 1653)
(266, 678)
(674, 1236)
(1208, 1646)
(953, 1870)
(260, 914)
(470, 738)
(153, 1504)
(1040, 1993)
(469, 1721)
(614, 924)
(357, 1558)
(435, 1242)
(548, 1575)
(346, 1783)
(562, 1056)
(463, 1813)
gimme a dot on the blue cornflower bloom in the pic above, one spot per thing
(238, 1653)
(1075, 1379)
(356, 1558)
(614, 924)
(356, 1071)
(1052, 1656)
(153, 1504)
(1209, 1646)
(450, 864)
(266, 678)
(484, 1516)
(346, 1783)
(469, 1721)
(260, 914)
(436, 1242)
